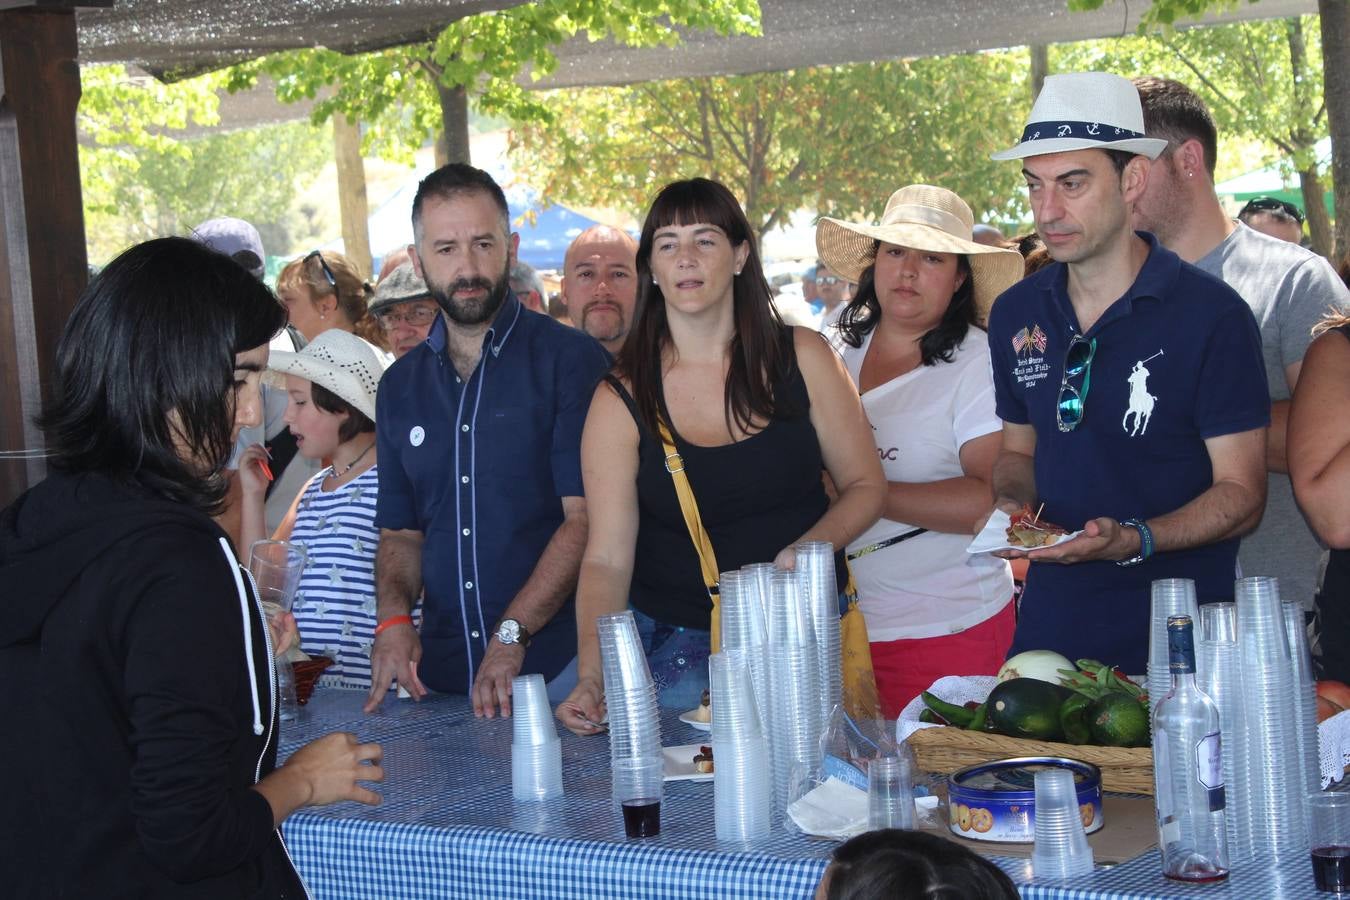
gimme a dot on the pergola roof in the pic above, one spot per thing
(187, 36)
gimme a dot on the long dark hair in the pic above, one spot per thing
(864, 312)
(761, 348)
(155, 334)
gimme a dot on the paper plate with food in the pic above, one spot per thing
(691, 762)
(700, 718)
(1023, 530)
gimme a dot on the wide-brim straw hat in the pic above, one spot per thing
(337, 360)
(1084, 111)
(921, 217)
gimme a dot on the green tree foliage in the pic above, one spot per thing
(141, 180)
(394, 92)
(839, 140)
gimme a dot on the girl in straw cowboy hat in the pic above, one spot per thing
(331, 384)
(911, 341)
(756, 410)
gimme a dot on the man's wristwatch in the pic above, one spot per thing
(1145, 542)
(512, 632)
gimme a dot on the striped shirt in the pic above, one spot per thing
(335, 604)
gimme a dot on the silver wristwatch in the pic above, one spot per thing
(512, 632)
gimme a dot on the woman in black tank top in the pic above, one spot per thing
(756, 409)
(1318, 449)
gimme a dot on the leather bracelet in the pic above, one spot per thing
(392, 621)
(1145, 542)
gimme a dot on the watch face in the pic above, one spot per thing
(509, 631)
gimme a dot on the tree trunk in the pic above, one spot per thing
(351, 174)
(1335, 16)
(1040, 67)
(1315, 211)
(453, 144)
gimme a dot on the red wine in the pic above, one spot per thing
(1331, 868)
(642, 817)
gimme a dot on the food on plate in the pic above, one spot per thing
(704, 711)
(1027, 708)
(703, 761)
(1042, 664)
(1029, 531)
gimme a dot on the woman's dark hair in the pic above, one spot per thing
(356, 422)
(761, 348)
(155, 334)
(864, 312)
(913, 865)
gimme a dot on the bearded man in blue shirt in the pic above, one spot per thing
(479, 436)
(1131, 388)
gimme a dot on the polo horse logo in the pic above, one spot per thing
(1141, 401)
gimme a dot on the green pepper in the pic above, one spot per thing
(1074, 719)
(981, 717)
(957, 715)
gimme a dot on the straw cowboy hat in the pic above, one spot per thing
(921, 217)
(1082, 111)
(337, 360)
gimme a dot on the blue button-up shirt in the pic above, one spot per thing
(479, 465)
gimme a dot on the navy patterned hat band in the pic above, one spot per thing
(1087, 131)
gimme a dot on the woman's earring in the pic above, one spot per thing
(653, 279)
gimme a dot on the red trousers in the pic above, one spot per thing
(904, 668)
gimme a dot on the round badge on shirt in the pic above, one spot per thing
(416, 436)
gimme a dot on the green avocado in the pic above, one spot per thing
(1027, 708)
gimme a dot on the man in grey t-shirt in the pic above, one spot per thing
(1288, 288)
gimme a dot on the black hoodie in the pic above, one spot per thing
(138, 699)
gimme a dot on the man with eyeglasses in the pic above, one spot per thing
(404, 308)
(1270, 215)
(833, 291)
(1288, 288)
(1130, 387)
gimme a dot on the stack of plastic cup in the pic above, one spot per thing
(744, 628)
(1061, 849)
(794, 691)
(536, 752)
(636, 761)
(815, 565)
(758, 584)
(1305, 694)
(1275, 808)
(742, 784)
(890, 793)
(1217, 656)
(1170, 597)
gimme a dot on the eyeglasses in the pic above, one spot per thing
(1077, 364)
(1272, 204)
(327, 272)
(829, 279)
(416, 316)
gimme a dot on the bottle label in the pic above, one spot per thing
(1209, 769)
(1162, 776)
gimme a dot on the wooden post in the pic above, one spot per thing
(352, 203)
(42, 250)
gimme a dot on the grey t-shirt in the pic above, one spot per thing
(1290, 290)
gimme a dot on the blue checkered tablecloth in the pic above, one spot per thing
(448, 827)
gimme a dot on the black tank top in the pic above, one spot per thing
(1333, 607)
(755, 496)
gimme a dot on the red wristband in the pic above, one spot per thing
(392, 621)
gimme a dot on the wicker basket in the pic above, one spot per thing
(1128, 770)
(307, 674)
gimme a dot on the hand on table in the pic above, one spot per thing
(583, 707)
(395, 655)
(332, 766)
(1101, 539)
(492, 685)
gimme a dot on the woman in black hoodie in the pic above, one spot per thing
(136, 678)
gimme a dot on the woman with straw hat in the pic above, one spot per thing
(911, 341)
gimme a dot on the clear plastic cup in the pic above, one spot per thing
(288, 705)
(531, 716)
(622, 660)
(1218, 622)
(536, 770)
(742, 790)
(1329, 830)
(276, 567)
(735, 714)
(788, 625)
(890, 793)
(1061, 849)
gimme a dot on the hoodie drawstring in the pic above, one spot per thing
(248, 634)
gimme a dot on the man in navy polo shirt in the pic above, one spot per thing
(479, 435)
(1131, 388)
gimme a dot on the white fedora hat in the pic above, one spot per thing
(1082, 111)
(339, 361)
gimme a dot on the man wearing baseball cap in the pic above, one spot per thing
(1130, 385)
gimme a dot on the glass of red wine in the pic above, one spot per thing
(1329, 824)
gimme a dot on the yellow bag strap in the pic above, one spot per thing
(707, 560)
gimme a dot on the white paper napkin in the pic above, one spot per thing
(994, 536)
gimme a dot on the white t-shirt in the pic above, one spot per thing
(927, 586)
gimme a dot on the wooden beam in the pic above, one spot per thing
(54, 4)
(43, 263)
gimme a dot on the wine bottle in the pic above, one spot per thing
(1188, 769)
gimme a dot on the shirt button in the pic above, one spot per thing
(473, 634)
(466, 532)
(464, 428)
(469, 585)
(464, 479)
